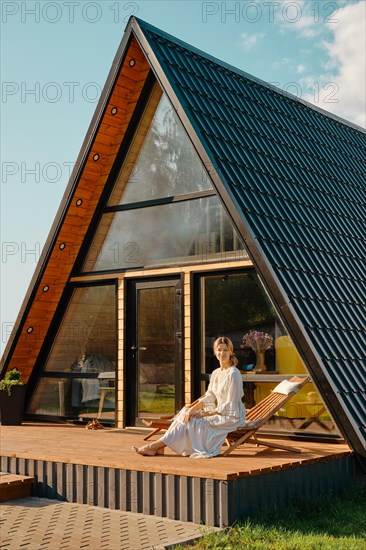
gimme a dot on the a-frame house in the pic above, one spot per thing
(203, 202)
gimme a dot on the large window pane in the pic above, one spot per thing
(232, 305)
(156, 342)
(63, 397)
(195, 230)
(87, 330)
(85, 346)
(161, 161)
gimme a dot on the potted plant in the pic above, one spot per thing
(260, 342)
(12, 395)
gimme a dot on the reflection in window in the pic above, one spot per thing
(67, 398)
(156, 354)
(233, 304)
(197, 230)
(88, 329)
(85, 345)
(161, 161)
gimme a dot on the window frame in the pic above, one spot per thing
(39, 371)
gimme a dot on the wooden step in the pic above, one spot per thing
(14, 486)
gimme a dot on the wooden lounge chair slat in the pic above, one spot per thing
(262, 412)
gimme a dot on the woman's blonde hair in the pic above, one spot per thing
(225, 340)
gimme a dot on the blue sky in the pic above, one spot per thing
(55, 57)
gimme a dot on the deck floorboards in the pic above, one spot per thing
(109, 447)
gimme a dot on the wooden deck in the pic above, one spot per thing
(98, 467)
(112, 448)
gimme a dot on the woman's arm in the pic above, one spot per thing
(202, 413)
(192, 411)
(231, 404)
(209, 398)
(197, 411)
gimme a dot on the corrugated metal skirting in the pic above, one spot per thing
(200, 500)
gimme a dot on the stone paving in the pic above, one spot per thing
(42, 524)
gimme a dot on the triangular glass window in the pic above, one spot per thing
(161, 161)
(163, 209)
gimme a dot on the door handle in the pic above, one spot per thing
(133, 348)
(143, 349)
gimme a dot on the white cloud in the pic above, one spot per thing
(343, 89)
(300, 69)
(248, 41)
(300, 16)
(278, 64)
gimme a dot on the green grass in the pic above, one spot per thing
(331, 523)
(160, 402)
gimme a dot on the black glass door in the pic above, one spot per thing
(154, 373)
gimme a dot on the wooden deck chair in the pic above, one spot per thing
(158, 424)
(161, 423)
(262, 412)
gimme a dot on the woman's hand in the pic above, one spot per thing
(202, 413)
(187, 416)
(193, 412)
(197, 414)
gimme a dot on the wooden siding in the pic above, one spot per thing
(77, 218)
(187, 352)
(120, 401)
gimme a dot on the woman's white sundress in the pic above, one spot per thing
(203, 437)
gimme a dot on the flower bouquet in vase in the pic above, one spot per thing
(259, 342)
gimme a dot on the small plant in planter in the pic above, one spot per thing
(12, 394)
(12, 378)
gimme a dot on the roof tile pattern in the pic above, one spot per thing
(299, 178)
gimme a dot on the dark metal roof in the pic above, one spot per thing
(293, 179)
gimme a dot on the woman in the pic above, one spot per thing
(200, 430)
